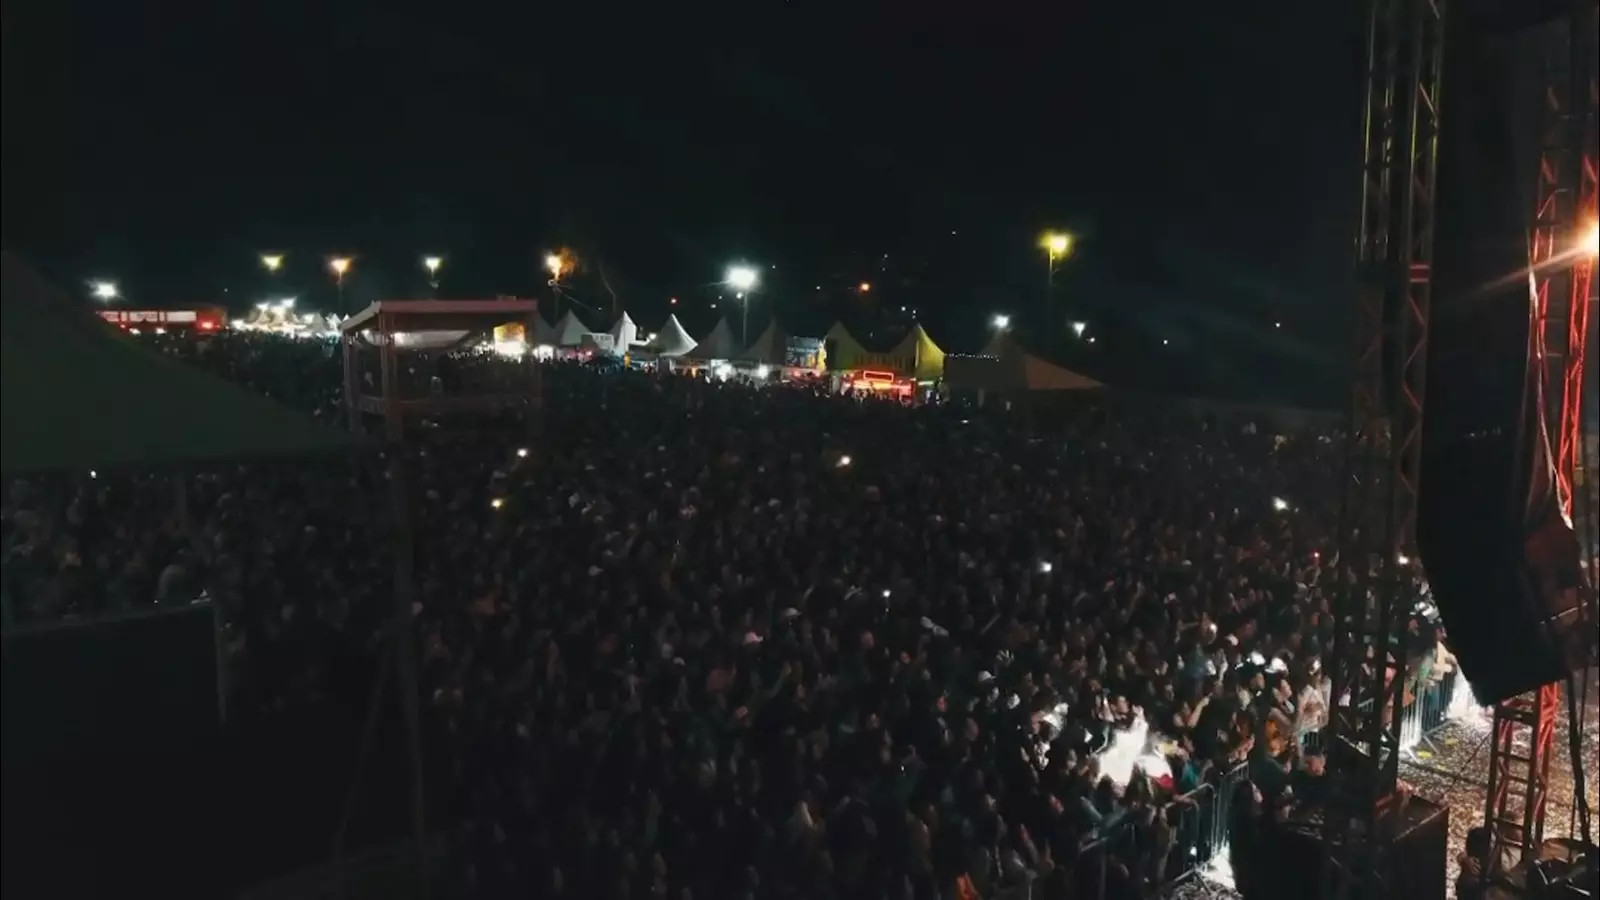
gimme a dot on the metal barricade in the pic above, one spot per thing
(1202, 829)
(1426, 710)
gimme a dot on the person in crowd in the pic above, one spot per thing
(1472, 883)
(713, 638)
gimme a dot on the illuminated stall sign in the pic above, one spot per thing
(200, 320)
(879, 382)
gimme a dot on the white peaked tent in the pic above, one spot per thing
(624, 334)
(719, 344)
(543, 335)
(316, 324)
(254, 317)
(569, 331)
(672, 340)
(771, 348)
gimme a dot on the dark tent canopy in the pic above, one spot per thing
(79, 396)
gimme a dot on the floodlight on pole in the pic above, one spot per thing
(104, 291)
(743, 279)
(432, 264)
(340, 265)
(1002, 321)
(272, 262)
(1056, 247)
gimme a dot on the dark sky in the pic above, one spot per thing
(1206, 158)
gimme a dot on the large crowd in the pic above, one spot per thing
(695, 638)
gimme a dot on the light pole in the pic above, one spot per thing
(1002, 322)
(272, 262)
(105, 291)
(1056, 247)
(432, 264)
(339, 265)
(557, 266)
(743, 279)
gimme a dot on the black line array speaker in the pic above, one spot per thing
(1503, 562)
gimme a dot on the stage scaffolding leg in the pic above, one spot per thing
(1519, 772)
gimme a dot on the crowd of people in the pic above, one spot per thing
(692, 638)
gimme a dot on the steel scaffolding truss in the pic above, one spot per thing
(1395, 257)
(1561, 267)
(1519, 771)
(1563, 278)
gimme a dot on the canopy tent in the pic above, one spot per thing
(78, 396)
(254, 316)
(569, 331)
(624, 334)
(914, 356)
(918, 356)
(543, 334)
(771, 347)
(1005, 366)
(719, 344)
(842, 351)
(672, 340)
(318, 324)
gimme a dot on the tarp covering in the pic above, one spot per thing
(770, 348)
(919, 356)
(79, 396)
(569, 331)
(624, 334)
(1006, 366)
(719, 344)
(915, 356)
(543, 333)
(672, 340)
(843, 350)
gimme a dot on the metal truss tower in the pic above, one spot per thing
(1563, 280)
(1405, 43)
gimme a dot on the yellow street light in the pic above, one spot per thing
(432, 264)
(555, 264)
(866, 286)
(1056, 247)
(272, 261)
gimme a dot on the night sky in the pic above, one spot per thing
(1206, 160)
